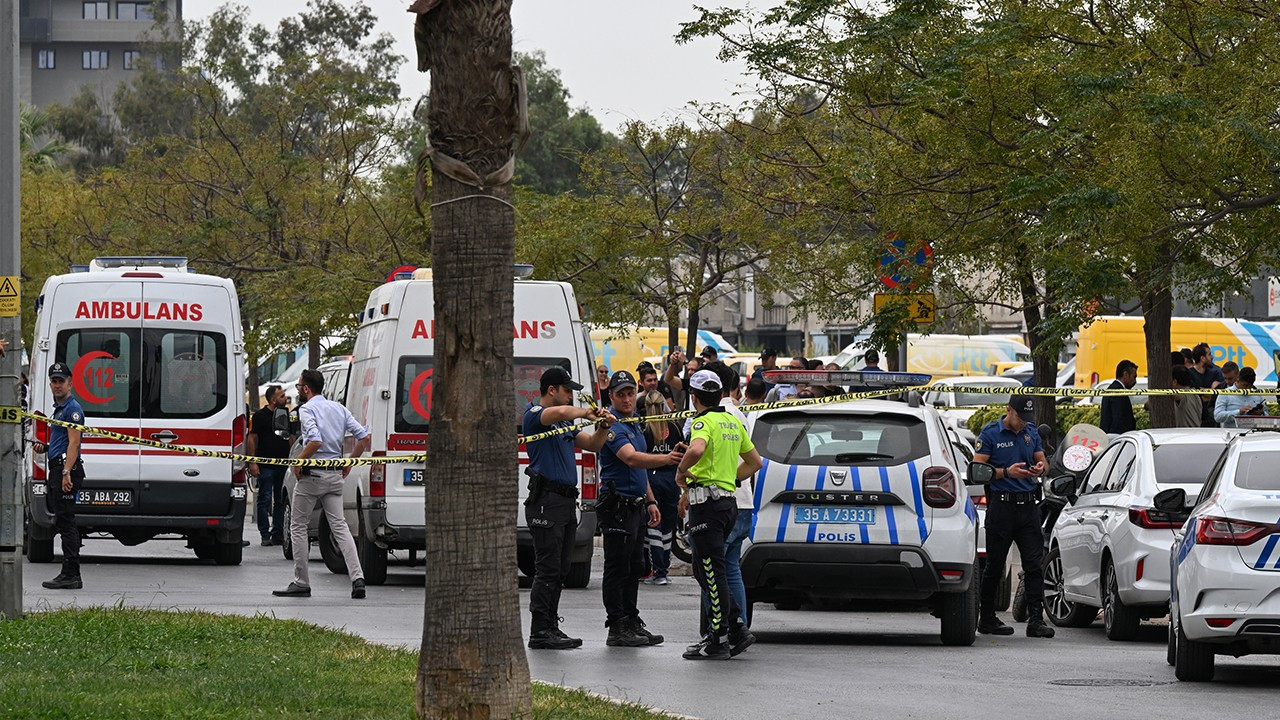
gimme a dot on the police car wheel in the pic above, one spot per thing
(1193, 661)
(959, 612)
(524, 560)
(788, 606)
(286, 541)
(1004, 593)
(1171, 654)
(680, 543)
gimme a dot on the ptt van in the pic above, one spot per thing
(390, 388)
(624, 348)
(1108, 340)
(942, 355)
(155, 352)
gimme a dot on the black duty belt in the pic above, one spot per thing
(631, 501)
(1016, 498)
(568, 491)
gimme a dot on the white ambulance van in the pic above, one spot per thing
(389, 391)
(155, 352)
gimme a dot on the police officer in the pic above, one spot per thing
(550, 508)
(626, 507)
(65, 476)
(1012, 445)
(720, 456)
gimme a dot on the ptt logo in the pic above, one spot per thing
(1229, 353)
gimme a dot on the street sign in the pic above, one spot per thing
(921, 307)
(904, 267)
(9, 296)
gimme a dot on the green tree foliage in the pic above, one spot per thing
(551, 162)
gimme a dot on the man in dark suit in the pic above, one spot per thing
(1117, 412)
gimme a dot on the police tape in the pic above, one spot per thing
(13, 415)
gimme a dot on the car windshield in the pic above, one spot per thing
(971, 399)
(800, 438)
(1257, 470)
(1185, 464)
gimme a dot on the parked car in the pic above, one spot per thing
(957, 407)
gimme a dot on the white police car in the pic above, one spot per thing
(862, 500)
(1225, 561)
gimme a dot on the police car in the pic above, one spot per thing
(1225, 560)
(862, 500)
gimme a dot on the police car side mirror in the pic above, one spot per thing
(981, 473)
(1173, 500)
(1064, 486)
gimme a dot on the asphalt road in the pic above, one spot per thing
(807, 664)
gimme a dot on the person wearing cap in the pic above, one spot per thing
(65, 475)
(627, 506)
(550, 510)
(768, 361)
(720, 456)
(709, 354)
(1012, 446)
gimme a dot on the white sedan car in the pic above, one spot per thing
(957, 407)
(1225, 561)
(1108, 547)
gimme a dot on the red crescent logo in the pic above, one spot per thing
(81, 371)
(421, 386)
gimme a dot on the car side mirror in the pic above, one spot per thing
(1172, 500)
(1064, 486)
(981, 473)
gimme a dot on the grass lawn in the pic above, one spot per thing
(141, 664)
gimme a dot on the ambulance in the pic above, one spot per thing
(155, 351)
(389, 390)
(1106, 341)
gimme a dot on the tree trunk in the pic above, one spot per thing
(1157, 311)
(695, 317)
(472, 664)
(1044, 365)
(313, 348)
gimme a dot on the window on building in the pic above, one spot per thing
(131, 59)
(94, 60)
(97, 11)
(45, 60)
(134, 11)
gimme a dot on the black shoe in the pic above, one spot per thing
(623, 634)
(992, 625)
(709, 649)
(1036, 627)
(294, 590)
(740, 639)
(268, 542)
(553, 639)
(637, 627)
(244, 543)
(64, 582)
(357, 589)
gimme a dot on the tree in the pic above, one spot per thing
(552, 161)
(472, 661)
(35, 148)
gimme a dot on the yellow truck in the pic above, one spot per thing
(624, 348)
(1107, 340)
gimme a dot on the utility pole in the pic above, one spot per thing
(10, 324)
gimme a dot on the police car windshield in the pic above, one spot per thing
(1257, 470)
(813, 438)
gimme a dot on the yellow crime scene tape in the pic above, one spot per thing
(15, 415)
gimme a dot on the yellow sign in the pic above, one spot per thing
(10, 296)
(10, 415)
(921, 307)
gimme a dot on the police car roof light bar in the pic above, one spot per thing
(848, 377)
(1269, 423)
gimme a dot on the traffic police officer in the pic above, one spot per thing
(1012, 445)
(627, 505)
(65, 475)
(720, 456)
(550, 509)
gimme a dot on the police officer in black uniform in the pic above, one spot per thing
(1012, 445)
(553, 491)
(65, 475)
(626, 507)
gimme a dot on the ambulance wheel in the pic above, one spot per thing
(373, 560)
(40, 551)
(329, 550)
(579, 575)
(959, 613)
(228, 553)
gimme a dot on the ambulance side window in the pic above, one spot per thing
(186, 372)
(527, 376)
(413, 394)
(104, 366)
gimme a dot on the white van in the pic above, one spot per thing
(390, 391)
(155, 352)
(942, 355)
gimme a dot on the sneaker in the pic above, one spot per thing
(992, 625)
(357, 589)
(708, 649)
(637, 626)
(740, 639)
(622, 634)
(1036, 627)
(294, 590)
(657, 580)
(553, 639)
(64, 582)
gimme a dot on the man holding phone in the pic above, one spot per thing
(1012, 445)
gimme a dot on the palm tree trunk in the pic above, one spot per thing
(472, 663)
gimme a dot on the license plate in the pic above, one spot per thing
(105, 498)
(815, 514)
(415, 476)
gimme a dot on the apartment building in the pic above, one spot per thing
(67, 44)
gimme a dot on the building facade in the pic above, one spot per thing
(68, 44)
